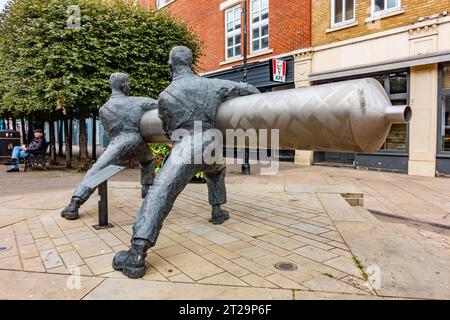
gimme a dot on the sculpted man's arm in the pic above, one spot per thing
(233, 89)
(162, 115)
(147, 104)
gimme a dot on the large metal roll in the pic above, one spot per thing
(347, 116)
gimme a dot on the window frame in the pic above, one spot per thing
(443, 92)
(259, 25)
(386, 10)
(343, 22)
(233, 33)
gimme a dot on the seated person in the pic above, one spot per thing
(37, 146)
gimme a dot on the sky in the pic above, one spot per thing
(2, 4)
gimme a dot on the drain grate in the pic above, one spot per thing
(286, 266)
(4, 248)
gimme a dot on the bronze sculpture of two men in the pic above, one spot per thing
(189, 99)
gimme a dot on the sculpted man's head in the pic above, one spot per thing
(120, 82)
(180, 60)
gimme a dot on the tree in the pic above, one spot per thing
(56, 55)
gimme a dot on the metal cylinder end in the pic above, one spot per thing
(398, 114)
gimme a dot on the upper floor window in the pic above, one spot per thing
(342, 12)
(160, 3)
(383, 6)
(233, 32)
(259, 24)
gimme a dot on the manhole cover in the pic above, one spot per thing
(285, 266)
(4, 248)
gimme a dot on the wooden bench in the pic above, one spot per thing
(36, 160)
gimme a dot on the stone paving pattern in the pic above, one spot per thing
(194, 259)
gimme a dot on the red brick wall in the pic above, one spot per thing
(289, 27)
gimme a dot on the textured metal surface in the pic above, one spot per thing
(103, 175)
(352, 116)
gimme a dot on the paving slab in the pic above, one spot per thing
(402, 263)
(29, 286)
(126, 289)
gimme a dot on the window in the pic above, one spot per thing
(160, 3)
(396, 86)
(383, 6)
(342, 12)
(259, 24)
(233, 32)
(445, 110)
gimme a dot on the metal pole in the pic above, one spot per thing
(245, 168)
(103, 206)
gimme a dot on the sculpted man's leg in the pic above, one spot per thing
(147, 170)
(217, 194)
(173, 178)
(111, 155)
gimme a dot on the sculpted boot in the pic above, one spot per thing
(218, 215)
(132, 262)
(144, 190)
(71, 211)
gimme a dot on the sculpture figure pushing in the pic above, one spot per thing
(188, 99)
(120, 117)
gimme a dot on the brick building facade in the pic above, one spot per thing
(289, 25)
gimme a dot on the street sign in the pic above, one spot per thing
(278, 73)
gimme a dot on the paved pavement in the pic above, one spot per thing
(297, 216)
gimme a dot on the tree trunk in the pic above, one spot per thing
(51, 125)
(22, 129)
(30, 130)
(14, 126)
(83, 138)
(67, 144)
(94, 138)
(71, 136)
(60, 138)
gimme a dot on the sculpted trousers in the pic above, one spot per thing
(176, 173)
(128, 146)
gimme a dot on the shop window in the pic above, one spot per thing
(446, 77)
(398, 83)
(397, 137)
(259, 23)
(342, 12)
(396, 86)
(233, 32)
(445, 130)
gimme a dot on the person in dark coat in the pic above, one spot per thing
(37, 146)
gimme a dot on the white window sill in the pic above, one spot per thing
(252, 55)
(342, 26)
(387, 14)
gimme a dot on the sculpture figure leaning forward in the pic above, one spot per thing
(120, 117)
(186, 100)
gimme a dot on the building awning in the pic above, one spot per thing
(386, 65)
